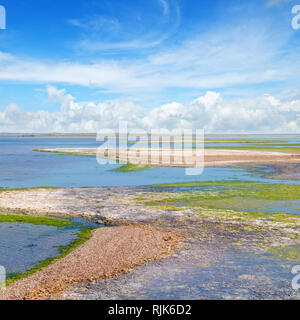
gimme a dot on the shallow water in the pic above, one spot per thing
(23, 246)
(21, 167)
(207, 273)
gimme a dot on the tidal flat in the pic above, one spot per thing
(231, 233)
(229, 252)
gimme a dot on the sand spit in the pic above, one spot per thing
(109, 252)
(175, 158)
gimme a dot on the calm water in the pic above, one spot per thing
(20, 167)
(23, 246)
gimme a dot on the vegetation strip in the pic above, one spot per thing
(38, 220)
(267, 191)
(130, 167)
(236, 199)
(24, 189)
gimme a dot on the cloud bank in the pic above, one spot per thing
(211, 111)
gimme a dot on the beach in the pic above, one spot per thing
(137, 233)
(183, 159)
(109, 252)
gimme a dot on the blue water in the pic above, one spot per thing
(21, 167)
(23, 246)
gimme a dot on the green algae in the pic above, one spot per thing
(266, 228)
(216, 190)
(37, 220)
(235, 200)
(275, 219)
(244, 141)
(130, 167)
(287, 253)
(24, 189)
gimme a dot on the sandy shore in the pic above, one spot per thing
(109, 252)
(189, 158)
(110, 204)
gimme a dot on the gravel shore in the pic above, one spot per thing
(211, 241)
(109, 252)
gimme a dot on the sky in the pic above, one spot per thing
(227, 66)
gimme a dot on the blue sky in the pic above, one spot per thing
(149, 54)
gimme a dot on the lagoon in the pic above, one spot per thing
(21, 167)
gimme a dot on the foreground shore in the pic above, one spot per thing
(109, 252)
(210, 236)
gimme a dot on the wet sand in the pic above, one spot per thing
(109, 252)
(286, 171)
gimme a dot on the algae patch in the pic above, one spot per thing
(257, 208)
(130, 167)
(38, 220)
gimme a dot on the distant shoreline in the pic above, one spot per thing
(56, 135)
(93, 135)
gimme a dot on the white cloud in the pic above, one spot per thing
(96, 24)
(227, 57)
(115, 34)
(211, 111)
(134, 44)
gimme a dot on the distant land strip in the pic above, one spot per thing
(175, 158)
